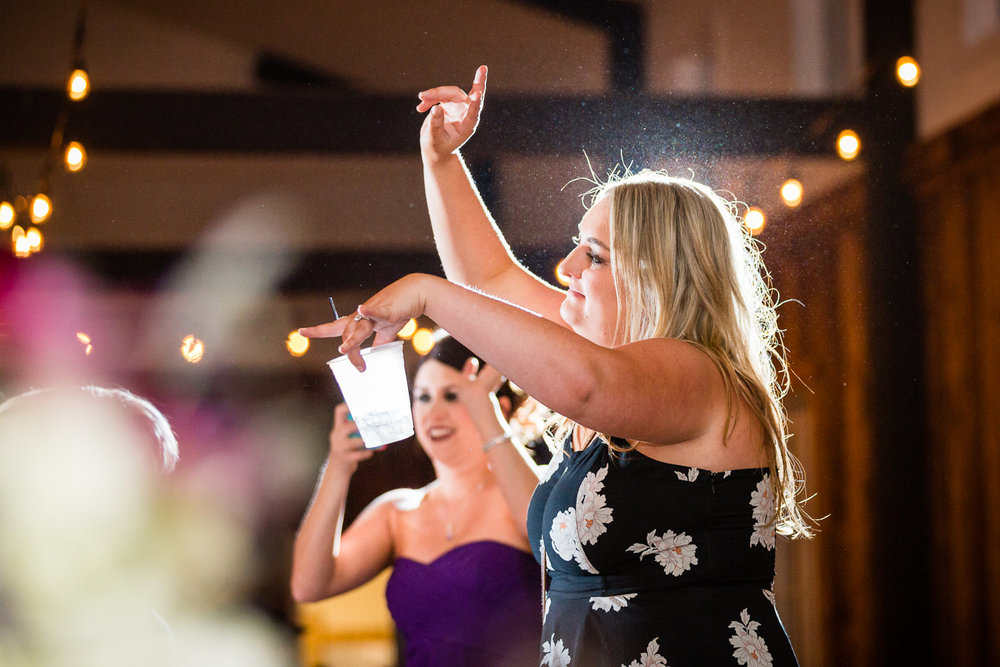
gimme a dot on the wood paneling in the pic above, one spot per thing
(956, 178)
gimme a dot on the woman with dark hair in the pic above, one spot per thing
(464, 586)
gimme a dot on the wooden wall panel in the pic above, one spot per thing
(819, 261)
(956, 181)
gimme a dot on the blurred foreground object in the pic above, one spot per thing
(102, 557)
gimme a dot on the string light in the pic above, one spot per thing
(7, 215)
(297, 344)
(85, 341)
(22, 247)
(408, 329)
(848, 144)
(423, 341)
(791, 192)
(560, 276)
(78, 85)
(755, 220)
(192, 349)
(75, 157)
(907, 71)
(41, 208)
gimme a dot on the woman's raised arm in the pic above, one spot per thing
(324, 562)
(473, 251)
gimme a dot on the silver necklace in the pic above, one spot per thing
(449, 522)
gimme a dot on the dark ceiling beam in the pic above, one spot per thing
(310, 272)
(313, 121)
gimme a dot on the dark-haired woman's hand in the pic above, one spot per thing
(478, 394)
(347, 449)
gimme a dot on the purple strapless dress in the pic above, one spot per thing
(478, 604)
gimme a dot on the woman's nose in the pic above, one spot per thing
(571, 265)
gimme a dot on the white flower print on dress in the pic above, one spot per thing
(651, 657)
(611, 602)
(769, 594)
(554, 653)
(563, 533)
(592, 515)
(550, 469)
(762, 502)
(675, 552)
(566, 539)
(751, 650)
(690, 476)
(583, 524)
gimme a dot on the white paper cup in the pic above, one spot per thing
(379, 398)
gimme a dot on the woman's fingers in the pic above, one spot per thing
(490, 377)
(432, 96)
(328, 330)
(479, 83)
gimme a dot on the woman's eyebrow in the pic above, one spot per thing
(591, 239)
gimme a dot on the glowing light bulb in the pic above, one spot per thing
(408, 329)
(75, 157)
(192, 349)
(423, 341)
(78, 86)
(297, 344)
(755, 220)
(7, 215)
(560, 276)
(907, 71)
(848, 144)
(41, 208)
(85, 340)
(791, 192)
(22, 247)
(35, 240)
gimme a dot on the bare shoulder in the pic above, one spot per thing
(397, 500)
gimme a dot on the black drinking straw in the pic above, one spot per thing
(335, 315)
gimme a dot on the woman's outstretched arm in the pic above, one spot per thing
(472, 248)
(659, 391)
(325, 562)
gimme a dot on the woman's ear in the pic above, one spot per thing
(470, 368)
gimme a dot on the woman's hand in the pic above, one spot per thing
(384, 315)
(452, 119)
(346, 447)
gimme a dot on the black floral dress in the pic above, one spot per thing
(655, 564)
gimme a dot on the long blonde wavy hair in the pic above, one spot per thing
(684, 267)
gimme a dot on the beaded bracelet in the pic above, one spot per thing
(493, 442)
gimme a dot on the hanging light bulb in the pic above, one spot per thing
(907, 71)
(75, 157)
(423, 341)
(408, 329)
(755, 220)
(35, 239)
(791, 192)
(78, 86)
(21, 244)
(192, 349)
(7, 215)
(560, 276)
(41, 208)
(296, 344)
(848, 145)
